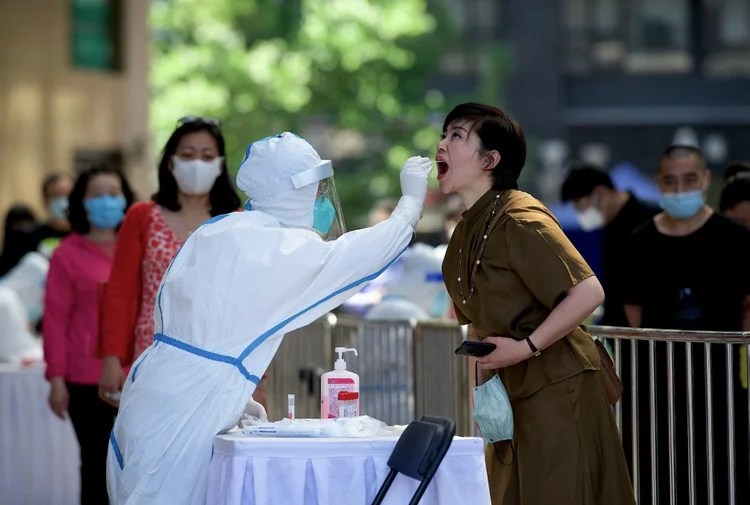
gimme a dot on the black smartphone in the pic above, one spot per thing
(474, 349)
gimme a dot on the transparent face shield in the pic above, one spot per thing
(328, 218)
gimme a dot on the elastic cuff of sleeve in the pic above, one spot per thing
(409, 208)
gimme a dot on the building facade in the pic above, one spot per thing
(616, 81)
(73, 91)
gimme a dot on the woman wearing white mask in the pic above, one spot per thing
(193, 187)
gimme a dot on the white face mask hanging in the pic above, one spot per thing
(196, 177)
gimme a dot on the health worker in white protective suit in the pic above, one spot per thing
(240, 282)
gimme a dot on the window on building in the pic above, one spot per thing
(631, 36)
(95, 34)
(477, 23)
(477, 20)
(659, 37)
(726, 37)
(595, 38)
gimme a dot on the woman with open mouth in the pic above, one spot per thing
(514, 276)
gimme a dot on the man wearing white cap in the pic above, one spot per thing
(240, 282)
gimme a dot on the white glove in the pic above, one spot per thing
(414, 176)
(254, 411)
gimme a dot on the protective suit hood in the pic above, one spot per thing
(280, 176)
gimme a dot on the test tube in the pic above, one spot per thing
(290, 400)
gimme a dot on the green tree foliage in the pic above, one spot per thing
(361, 67)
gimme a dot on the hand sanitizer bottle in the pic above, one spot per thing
(331, 383)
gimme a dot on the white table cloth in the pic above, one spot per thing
(295, 471)
(39, 455)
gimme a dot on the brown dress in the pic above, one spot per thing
(566, 449)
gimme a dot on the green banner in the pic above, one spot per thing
(93, 34)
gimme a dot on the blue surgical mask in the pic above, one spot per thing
(106, 212)
(58, 208)
(682, 205)
(323, 214)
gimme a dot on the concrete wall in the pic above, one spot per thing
(49, 109)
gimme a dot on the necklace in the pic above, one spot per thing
(465, 299)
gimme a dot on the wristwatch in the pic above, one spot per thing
(536, 352)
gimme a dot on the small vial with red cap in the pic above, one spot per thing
(348, 404)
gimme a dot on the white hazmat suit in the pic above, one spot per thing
(239, 283)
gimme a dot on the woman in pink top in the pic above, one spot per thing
(79, 265)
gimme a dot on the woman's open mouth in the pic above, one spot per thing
(442, 168)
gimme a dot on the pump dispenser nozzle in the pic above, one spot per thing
(340, 364)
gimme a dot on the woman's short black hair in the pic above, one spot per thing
(222, 197)
(736, 186)
(77, 214)
(497, 131)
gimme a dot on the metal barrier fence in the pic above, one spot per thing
(442, 378)
(684, 413)
(303, 356)
(385, 364)
(683, 389)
